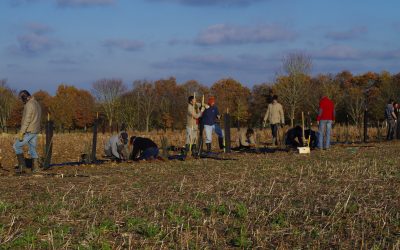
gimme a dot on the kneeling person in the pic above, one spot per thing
(143, 149)
(246, 139)
(115, 146)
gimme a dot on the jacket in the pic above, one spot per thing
(244, 141)
(31, 117)
(275, 114)
(326, 110)
(191, 117)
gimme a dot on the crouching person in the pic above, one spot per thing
(115, 147)
(246, 139)
(294, 137)
(143, 149)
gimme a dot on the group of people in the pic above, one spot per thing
(200, 117)
(392, 112)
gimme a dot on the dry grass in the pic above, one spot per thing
(347, 197)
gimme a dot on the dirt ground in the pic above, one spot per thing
(346, 197)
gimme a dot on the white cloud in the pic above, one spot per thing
(221, 34)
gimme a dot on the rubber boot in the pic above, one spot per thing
(208, 147)
(21, 164)
(221, 142)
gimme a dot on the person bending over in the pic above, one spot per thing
(143, 149)
(246, 139)
(115, 147)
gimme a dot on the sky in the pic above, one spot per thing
(44, 43)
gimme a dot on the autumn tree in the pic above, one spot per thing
(84, 109)
(108, 93)
(7, 102)
(44, 99)
(72, 108)
(294, 85)
(190, 87)
(231, 95)
(261, 96)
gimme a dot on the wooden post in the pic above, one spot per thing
(94, 141)
(347, 129)
(49, 142)
(227, 128)
(365, 125)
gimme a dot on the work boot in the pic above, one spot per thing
(187, 146)
(194, 150)
(36, 166)
(221, 142)
(208, 147)
(21, 164)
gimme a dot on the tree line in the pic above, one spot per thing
(161, 104)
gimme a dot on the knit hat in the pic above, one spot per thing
(211, 100)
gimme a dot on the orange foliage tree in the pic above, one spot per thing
(233, 96)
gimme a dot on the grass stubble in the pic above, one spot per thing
(346, 197)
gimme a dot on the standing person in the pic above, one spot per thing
(209, 119)
(143, 149)
(30, 128)
(325, 120)
(275, 117)
(391, 119)
(192, 118)
(115, 146)
(396, 107)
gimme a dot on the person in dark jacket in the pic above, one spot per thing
(209, 119)
(391, 119)
(143, 149)
(294, 137)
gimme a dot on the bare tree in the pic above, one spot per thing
(108, 93)
(7, 102)
(293, 88)
(147, 97)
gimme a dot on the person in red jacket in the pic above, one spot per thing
(325, 120)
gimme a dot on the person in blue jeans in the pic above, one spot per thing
(325, 120)
(30, 128)
(209, 119)
(143, 149)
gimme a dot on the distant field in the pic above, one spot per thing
(347, 197)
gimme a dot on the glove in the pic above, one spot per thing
(20, 136)
(207, 106)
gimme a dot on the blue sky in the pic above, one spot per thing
(47, 42)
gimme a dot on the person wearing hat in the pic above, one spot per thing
(115, 146)
(209, 118)
(143, 149)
